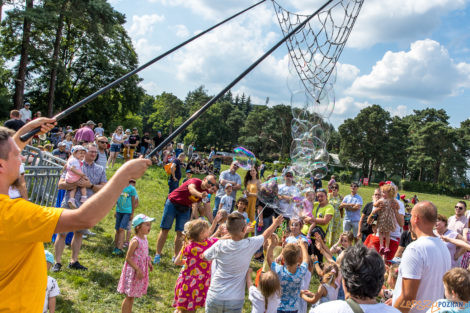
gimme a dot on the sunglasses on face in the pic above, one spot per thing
(211, 183)
(102, 141)
(459, 207)
(334, 188)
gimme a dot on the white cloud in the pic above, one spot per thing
(426, 72)
(146, 50)
(400, 110)
(182, 31)
(151, 88)
(143, 25)
(382, 21)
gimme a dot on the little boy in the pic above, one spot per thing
(456, 291)
(226, 201)
(230, 261)
(189, 175)
(290, 274)
(242, 204)
(124, 212)
(52, 289)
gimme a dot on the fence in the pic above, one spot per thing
(42, 174)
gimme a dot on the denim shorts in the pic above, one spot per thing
(224, 306)
(122, 220)
(115, 147)
(170, 213)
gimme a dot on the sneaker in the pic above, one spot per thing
(117, 252)
(89, 233)
(83, 199)
(57, 267)
(157, 259)
(72, 203)
(77, 266)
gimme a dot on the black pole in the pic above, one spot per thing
(229, 86)
(81, 103)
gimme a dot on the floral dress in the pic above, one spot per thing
(129, 284)
(335, 226)
(386, 219)
(194, 279)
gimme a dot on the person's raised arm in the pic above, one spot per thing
(46, 125)
(311, 297)
(458, 242)
(98, 206)
(270, 230)
(304, 248)
(272, 243)
(193, 191)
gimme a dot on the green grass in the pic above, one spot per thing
(95, 289)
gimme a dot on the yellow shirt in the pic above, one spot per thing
(24, 226)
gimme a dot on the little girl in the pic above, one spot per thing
(135, 272)
(265, 298)
(295, 225)
(327, 290)
(392, 276)
(194, 279)
(74, 173)
(345, 241)
(386, 217)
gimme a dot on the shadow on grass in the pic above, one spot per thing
(66, 305)
(104, 280)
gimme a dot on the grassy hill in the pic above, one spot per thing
(95, 289)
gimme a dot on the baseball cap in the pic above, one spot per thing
(128, 130)
(135, 128)
(90, 122)
(228, 185)
(49, 257)
(27, 103)
(61, 144)
(141, 218)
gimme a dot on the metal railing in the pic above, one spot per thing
(42, 174)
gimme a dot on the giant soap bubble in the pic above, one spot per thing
(244, 158)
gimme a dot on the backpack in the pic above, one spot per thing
(167, 168)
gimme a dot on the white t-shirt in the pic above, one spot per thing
(340, 306)
(226, 202)
(230, 261)
(257, 301)
(25, 114)
(396, 234)
(426, 258)
(51, 291)
(287, 207)
(304, 286)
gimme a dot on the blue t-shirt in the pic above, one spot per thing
(124, 203)
(353, 216)
(290, 285)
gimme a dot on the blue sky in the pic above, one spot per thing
(402, 54)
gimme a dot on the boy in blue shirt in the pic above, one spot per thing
(124, 212)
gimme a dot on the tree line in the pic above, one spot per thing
(56, 52)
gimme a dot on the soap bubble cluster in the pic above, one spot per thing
(244, 158)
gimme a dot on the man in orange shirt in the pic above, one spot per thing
(24, 226)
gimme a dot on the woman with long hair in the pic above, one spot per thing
(252, 184)
(116, 142)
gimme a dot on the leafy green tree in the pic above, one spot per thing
(169, 112)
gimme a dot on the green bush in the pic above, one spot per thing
(345, 176)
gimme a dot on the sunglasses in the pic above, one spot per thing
(334, 188)
(211, 183)
(459, 207)
(102, 141)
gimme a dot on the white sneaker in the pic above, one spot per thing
(72, 203)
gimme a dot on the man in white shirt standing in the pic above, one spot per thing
(287, 192)
(423, 264)
(25, 112)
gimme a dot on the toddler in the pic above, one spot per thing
(74, 173)
(386, 217)
(265, 298)
(327, 290)
(194, 278)
(135, 272)
(226, 201)
(52, 290)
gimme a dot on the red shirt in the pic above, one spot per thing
(182, 196)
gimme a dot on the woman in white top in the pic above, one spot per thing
(116, 142)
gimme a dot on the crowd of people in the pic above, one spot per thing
(383, 255)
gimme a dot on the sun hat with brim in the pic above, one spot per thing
(141, 218)
(78, 148)
(49, 257)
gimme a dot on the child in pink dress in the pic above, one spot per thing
(194, 279)
(135, 272)
(74, 173)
